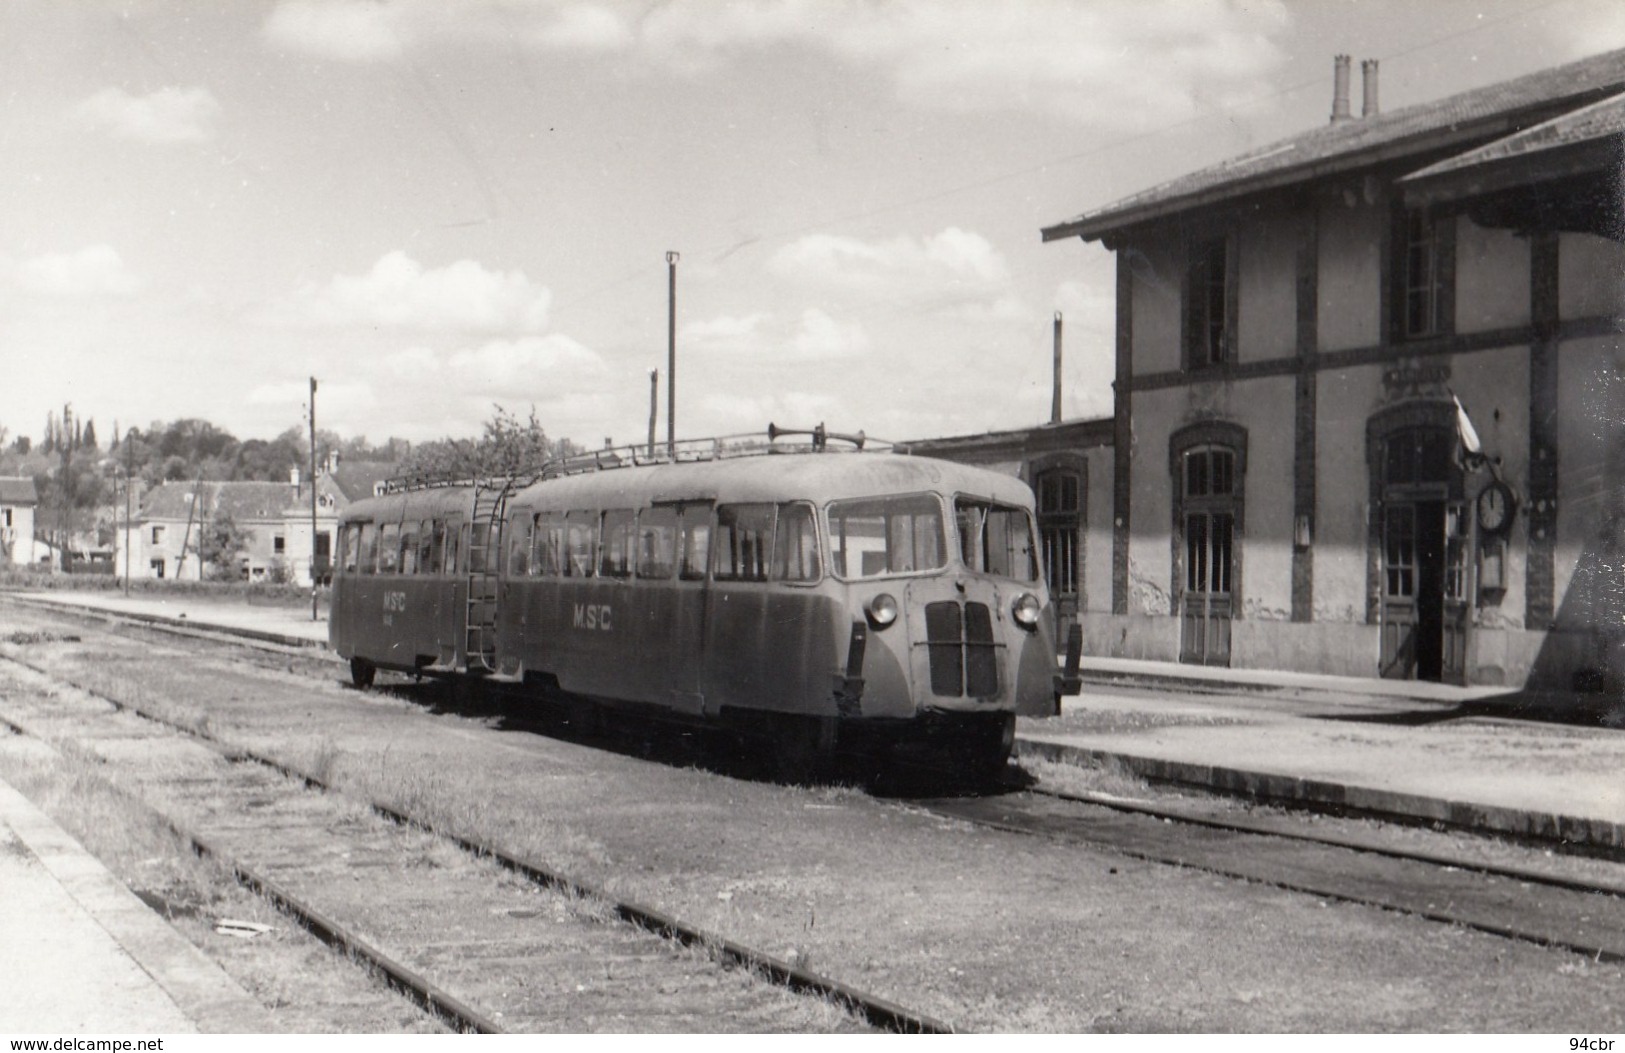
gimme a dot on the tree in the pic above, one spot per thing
(24, 445)
(220, 542)
(509, 446)
(88, 439)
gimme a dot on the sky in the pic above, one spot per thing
(436, 207)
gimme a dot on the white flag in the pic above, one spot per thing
(1465, 429)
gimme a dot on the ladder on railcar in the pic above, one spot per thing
(484, 564)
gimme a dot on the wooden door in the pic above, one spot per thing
(1206, 604)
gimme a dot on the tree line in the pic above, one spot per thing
(79, 478)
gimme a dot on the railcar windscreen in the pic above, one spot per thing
(996, 539)
(872, 537)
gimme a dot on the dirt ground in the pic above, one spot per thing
(988, 930)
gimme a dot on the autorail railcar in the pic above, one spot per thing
(803, 595)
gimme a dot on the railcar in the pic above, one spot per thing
(809, 597)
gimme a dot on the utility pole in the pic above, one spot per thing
(313, 615)
(654, 406)
(671, 354)
(129, 484)
(65, 519)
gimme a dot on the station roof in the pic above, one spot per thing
(1499, 111)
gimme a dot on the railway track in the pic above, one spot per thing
(492, 943)
(1524, 904)
(1583, 915)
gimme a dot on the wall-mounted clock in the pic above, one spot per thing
(1495, 507)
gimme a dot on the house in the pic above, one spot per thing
(275, 517)
(18, 500)
(1369, 410)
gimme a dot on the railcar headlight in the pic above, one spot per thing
(882, 610)
(1026, 610)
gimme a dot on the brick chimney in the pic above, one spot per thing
(1368, 71)
(1340, 90)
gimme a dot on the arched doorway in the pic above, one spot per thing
(1209, 463)
(1420, 540)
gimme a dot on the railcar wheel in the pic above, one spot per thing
(362, 673)
(802, 747)
(986, 748)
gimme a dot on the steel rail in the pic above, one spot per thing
(400, 977)
(873, 1009)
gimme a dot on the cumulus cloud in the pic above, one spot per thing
(400, 292)
(1083, 60)
(168, 115)
(953, 262)
(724, 330)
(361, 31)
(820, 336)
(96, 270)
(813, 337)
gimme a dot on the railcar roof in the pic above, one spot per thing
(413, 504)
(816, 477)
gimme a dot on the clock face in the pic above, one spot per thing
(1494, 508)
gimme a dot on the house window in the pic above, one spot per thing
(1207, 305)
(1424, 276)
(157, 535)
(157, 566)
(279, 544)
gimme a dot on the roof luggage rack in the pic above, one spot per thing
(718, 448)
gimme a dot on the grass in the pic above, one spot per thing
(1068, 777)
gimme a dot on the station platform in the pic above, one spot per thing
(80, 954)
(1479, 758)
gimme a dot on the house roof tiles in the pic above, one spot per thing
(1466, 118)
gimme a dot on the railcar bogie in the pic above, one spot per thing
(825, 598)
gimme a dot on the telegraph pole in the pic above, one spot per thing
(313, 616)
(129, 483)
(671, 354)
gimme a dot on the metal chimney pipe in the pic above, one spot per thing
(1340, 89)
(1368, 71)
(1055, 399)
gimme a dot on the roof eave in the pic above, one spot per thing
(1102, 224)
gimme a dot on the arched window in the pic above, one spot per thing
(1060, 512)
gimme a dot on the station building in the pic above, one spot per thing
(1369, 412)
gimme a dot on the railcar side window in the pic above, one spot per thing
(996, 539)
(615, 560)
(426, 547)
(795, 544)
(479, 540)
(389, 548)
(549, 546)
(518, 529)
(657, 542)
(886, 535)
(580, 539)
(456, 536)
(409, 548)
(696, 542)
(367, 561)
(437, 548)
(744, 539)
(349, 545)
